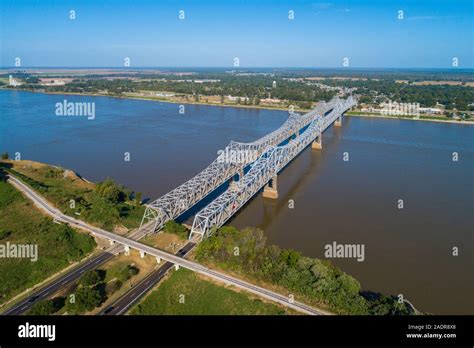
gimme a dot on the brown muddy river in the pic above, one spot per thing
(408, 251)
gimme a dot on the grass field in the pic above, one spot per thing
(22, 223)
(201, 297)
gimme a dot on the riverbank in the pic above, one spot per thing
(421, 118)
(105, 204)
(267, 107)
(164, 100)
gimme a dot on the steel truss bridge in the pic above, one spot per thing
(269, 158)
(264, 169)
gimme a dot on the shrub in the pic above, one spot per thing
(85, 299)
(91, 278)
(42, 308)
(4, 234)
(175, 228)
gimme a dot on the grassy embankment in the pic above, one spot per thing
(22, 223)
(106, 204)
(186, 293)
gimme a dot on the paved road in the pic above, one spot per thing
(132, 243)
(58, 283)
(68, 278)
(123, 303)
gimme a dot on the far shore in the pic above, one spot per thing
(239, 106)
(411, 118)
(160, 100)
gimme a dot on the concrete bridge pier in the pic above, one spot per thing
(127, 250)
(317, 143)
(158, 259)
(142, 254)
(271, 190)
(338, 121)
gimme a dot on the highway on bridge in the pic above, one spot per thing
(124, 302)
(159, 254)
(273, 158)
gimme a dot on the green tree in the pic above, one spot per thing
(175, 228)
(109, 190)
(290, 257)
(43, 308)
(126, 272)
(91, 278)
(86, 299)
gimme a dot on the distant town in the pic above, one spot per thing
(432, 95)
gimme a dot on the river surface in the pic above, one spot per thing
(408, 251)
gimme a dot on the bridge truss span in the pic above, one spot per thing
(267, 166)
(181, 199)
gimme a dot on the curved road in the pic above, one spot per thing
(59, 216)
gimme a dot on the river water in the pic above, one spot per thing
(348, 193)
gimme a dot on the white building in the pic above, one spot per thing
(13, 82)
(237, 98)
(430, 111)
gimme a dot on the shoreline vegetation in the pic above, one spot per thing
(428, 118)
(315, 281)
(245, 253)
(104, 204)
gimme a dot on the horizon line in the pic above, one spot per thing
(234, 68)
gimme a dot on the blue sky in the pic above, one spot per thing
(259, 33)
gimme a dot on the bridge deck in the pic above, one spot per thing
(185, 196)
(270, 162)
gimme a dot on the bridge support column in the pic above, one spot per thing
(142, 254)
(317, 143)
(338, 122)
(112, 242)
(271, 190)
(158, 259)
(127, 250)
(176, 266)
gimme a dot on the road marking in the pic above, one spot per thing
(174, 259)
